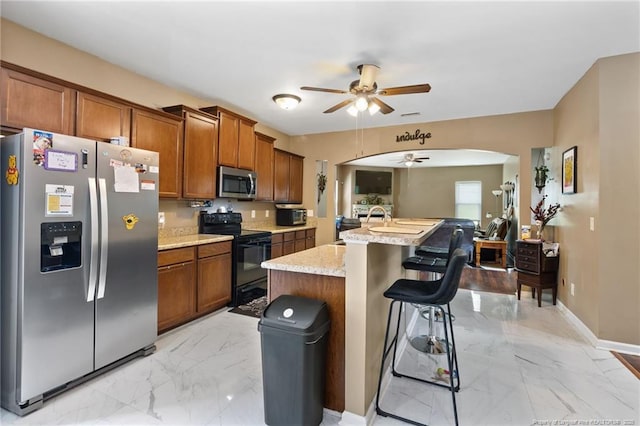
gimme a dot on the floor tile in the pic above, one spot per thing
(519, 364)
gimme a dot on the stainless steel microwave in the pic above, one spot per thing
(291, 216)
(236, 183)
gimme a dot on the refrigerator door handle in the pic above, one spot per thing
(93, 265)
(104, 237)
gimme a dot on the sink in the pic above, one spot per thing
(395, 230)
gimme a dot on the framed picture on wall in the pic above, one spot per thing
(569, 171)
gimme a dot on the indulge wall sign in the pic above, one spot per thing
(417, 135)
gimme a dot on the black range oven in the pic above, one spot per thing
(249, 250)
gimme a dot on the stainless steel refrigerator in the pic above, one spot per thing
(78, 261)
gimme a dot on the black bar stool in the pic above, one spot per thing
(437, 264)
(434, 261)
(436, 294)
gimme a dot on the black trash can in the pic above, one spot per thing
(294, 333)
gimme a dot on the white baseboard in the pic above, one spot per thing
(607, 345)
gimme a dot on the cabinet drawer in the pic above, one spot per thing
(527, 266)
(527, 251)
(276, 238)
(170, 257)
(214, 249)
(301, 235)
(289, 236)
(311, 233)
(528, 259)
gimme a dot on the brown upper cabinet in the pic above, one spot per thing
(200, 152)
(264, 167)
(100, 118)
(287, 177)
(162, 133)
(236, 138)
(29, 101)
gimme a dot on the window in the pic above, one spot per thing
(469, 200)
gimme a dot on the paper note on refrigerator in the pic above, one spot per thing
(59, 200)
(126, 179)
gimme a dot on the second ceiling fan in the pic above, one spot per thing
(364, 90)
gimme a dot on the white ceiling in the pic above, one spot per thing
(481, 58)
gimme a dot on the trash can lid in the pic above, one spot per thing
(296, 314)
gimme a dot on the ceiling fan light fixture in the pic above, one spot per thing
(353, 111)
(362, 103)
(373, 108)
(408, 163)
(286, 101)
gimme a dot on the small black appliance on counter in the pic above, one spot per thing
(291, 216)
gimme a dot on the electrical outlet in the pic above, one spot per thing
(266, 213)
(592, 223)
(310, 213)
(161, 220)
(573, 289)
(253, 214)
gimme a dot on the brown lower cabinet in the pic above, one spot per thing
(192, 281)
(176, 287)
(292, 242)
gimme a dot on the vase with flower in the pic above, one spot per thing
(543, 215)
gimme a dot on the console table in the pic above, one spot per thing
(536, 270)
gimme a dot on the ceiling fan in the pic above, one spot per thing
(409, 159)
(364, 90)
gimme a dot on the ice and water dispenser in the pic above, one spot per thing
(60, 245)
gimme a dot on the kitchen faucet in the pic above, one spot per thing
(384, 219)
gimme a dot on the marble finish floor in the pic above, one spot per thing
(520, 365)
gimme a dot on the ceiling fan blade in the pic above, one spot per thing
(320, 89)
(368, 74)
(404, 90)
(384, 108)
(423, 158)
(338, 106)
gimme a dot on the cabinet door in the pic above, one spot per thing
(229, 130)
(264, 167)
(176, 294)
(280, 175)
(101, 119)
(310, 238)
(295, 180)
(288, 247)
(246, 145)
(200, 148)
(300, 245)
(214, 282)
(164, 135)
(276, 250)
(28, 101)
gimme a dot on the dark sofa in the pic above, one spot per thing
(439, 240)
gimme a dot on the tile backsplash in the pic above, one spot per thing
(182, 219)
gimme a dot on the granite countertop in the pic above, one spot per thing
(166, 243)
(275, 229)
(425, 227)
(322, 260)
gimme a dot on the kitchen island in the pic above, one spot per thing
(317, 273)
(372, 260)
